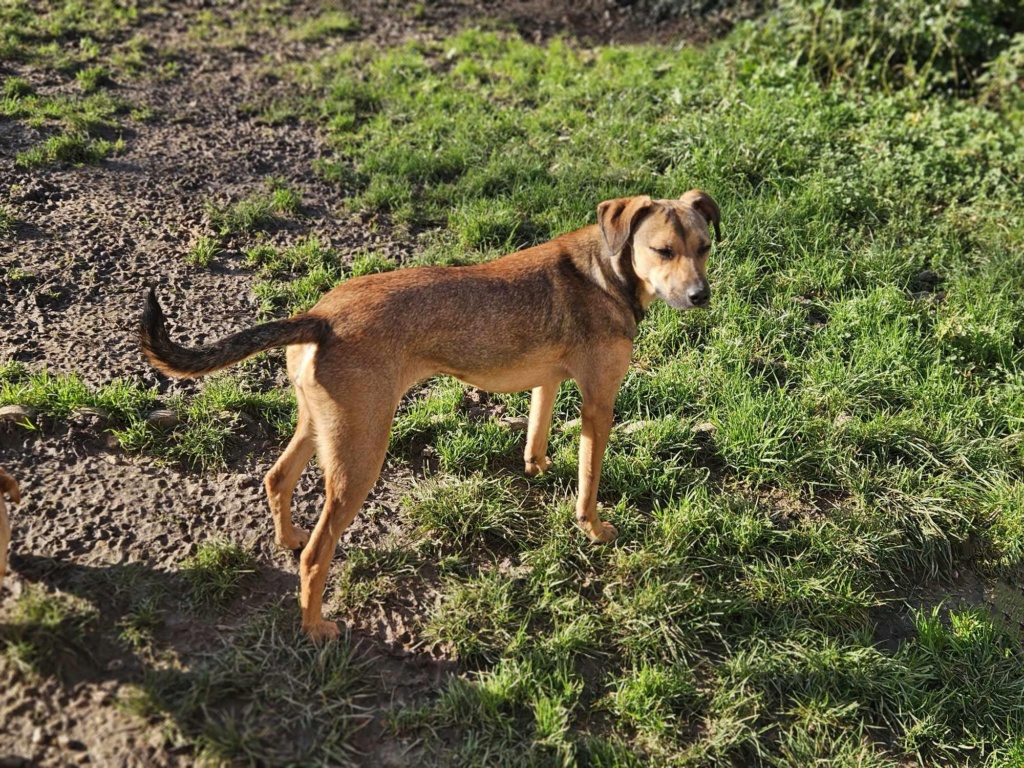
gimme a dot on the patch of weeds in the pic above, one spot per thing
(913, 44)
(212, 420)
(325, 26)
(371, 264)
(91, 79)
(258, 213)
(264, 680)
(296, 277)
(47, 634)
(72, 148)
(216, 573)
(656, 698)
(16, 87)
(62, 35)
(73, 43)
(8, 225)
(58, 395)
(134, 596)
(522, 710)
(462, 514)
(370, 575)
(203, 252)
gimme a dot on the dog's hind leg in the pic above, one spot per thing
(542, 400)
(5, 535)
(281, 479)
(351, 444)
(8, 486)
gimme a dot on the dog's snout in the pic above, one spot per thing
(699, 295)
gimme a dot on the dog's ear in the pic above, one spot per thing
(706, 206)
(619, 217)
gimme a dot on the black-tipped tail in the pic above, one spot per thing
(176, 360)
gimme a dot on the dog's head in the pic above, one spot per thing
(668, 245)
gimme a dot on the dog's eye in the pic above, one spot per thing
(665, 253)
(704, 250)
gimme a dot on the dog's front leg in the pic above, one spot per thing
(599, 384)
(542, 401)
(597, 424)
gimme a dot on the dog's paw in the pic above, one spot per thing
(603, 533)
(295, 539)
(322, 631)
(539, 467)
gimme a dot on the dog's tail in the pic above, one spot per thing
(182, 362)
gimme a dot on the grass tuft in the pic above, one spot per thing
(325, 26)
(263, 681)
(72, 148)
(203, 252)
(48, 632)
(216, 573)
(258, 213)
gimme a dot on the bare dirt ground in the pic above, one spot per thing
(90, 238)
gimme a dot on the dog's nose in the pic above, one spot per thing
(700, 295)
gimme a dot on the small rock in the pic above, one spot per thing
(634, 426)
(19, 414)
(515, 423)
(705, 428)
(472, 397)
(842, 420)
(571, 424)
(478, 413)
(88, 412)
(67, 742)
(39, 736)
(162, 418)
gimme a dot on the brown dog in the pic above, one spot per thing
(567, 309)
(8, 486)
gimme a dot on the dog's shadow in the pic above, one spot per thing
(234, 679)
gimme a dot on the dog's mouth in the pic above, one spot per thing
(683, 303)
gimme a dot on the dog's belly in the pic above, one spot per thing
(517, 380)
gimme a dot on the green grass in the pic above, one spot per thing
(837, 428)
(841, 428)
(203, 252)
(47, 632)
(71, 42)
(75, 149)
(325, 26)
(257, 213)
(214, 421)
(294, 278)
(262, 697)
(216, 574)
(8, 222)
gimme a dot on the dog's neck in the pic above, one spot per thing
(615, 274)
